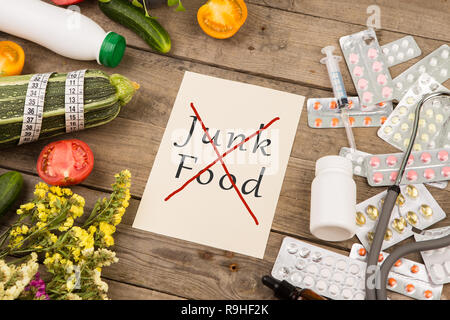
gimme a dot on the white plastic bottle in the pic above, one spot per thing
(333, 200)
(63, 31)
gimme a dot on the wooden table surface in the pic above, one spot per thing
(278, 47)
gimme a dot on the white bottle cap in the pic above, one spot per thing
(333, 163)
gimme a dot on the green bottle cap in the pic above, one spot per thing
(112, 50)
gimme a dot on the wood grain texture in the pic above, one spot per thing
(278, 47)
(415, 17)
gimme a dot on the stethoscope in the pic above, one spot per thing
(376, 277)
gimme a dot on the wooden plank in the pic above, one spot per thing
(182, 268)
(416, 17)
(274, 43)
(123, 291)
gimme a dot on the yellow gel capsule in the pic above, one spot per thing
(429, 113)
(388, 234)
(412, 217)
(387, 129)
(439, 118)
(372, 212)
(411, 117)
(395, 120)
(426, 211)
(400, 200)
(397, 137)
(422, 123)
(370, 236)
(424, 137)
(399, 224)
(417, 147)
(360, 219)
(410, 100)
(412, 191)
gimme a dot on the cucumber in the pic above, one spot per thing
(10, 186)
(148, 28)
(103, 97)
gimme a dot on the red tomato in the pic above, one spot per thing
(65, 162)
(65, 2)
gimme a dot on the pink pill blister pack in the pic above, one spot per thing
(422, 166)
(324, 113)
(436, 64)
(368, 67)
(415, 207)
(406, 277)
(358, 159)
(437, 261)
(328, 273)
(432, 131)
(400, 50)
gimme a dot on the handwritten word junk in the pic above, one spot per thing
(187, 161)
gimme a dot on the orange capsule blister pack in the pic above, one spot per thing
(407, 277)
(324, 113)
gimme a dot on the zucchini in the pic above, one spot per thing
(10, 186)
(146, 27)
(103, 97)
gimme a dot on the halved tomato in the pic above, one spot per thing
(221, 19)
(65, 162)
(65, 2)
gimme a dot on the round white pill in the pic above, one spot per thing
(296, 278)
(341, 264)
(354, 269)
(312, 269)
(333, 289)
(347, 294)
(325, 273)
(338, 277)
(321, 285)
(292, 248)
(308, 281)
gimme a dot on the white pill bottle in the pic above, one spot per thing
(333, 200)
(66, 32)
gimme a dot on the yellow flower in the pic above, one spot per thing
(76, 211)
(40, 193)
(24, 229)
(67, 224)
(67, 192)
(57, 191)
(41, 225)
(27, 206)
(53, 237)
(106, 228)
(109, 241)
(42, 186)
(19, 211)
(116, 219)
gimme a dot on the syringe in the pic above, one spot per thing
(332, 63)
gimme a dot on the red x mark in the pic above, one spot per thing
(220, 158)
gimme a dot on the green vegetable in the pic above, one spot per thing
(103, 97)
(147, 4)
(146, 27)
(10, 186)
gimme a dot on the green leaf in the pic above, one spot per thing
(177, 3)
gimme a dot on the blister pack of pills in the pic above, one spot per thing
(432, 122)
(406, 277)
(436, 64)
(324, 113)
(401, 50)
(326, 272)
(437, 261)
(415, 206)
(368, 67)
(423, 166)
(358, 159)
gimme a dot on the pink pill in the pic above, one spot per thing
(377, 177)
(372, 53)
(367, 97)
(362, 84)
(443, 155)
(391, 161)
(429, 174)
(393, 176)
(446, 172)
(425, 157)
(354, 58)
(386, 92)
(381, 79)
(410, 160)
(377, 66)
(412, 175)
(374, 162)
(358, 71)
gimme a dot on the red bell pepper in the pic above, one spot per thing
(65, 2)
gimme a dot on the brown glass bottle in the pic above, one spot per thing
(285, 290)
